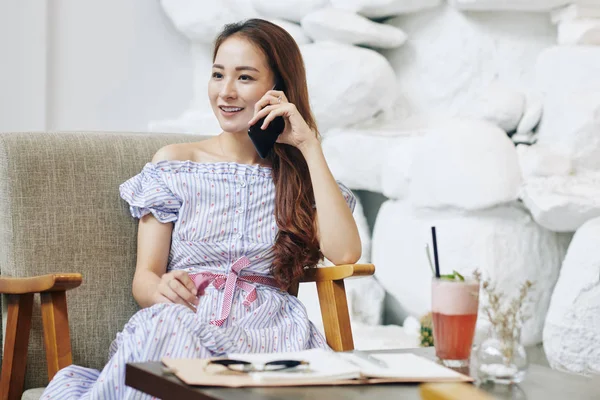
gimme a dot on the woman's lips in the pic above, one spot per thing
(229, 111)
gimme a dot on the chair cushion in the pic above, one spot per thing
(61, 212)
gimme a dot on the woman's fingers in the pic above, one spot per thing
(182, 292)
(276, 112)
(266, 100)
(176, 299)
(272, 97)
(160, 298)
(278, 94)
(261, 114)
(185, 279)
(172, 296)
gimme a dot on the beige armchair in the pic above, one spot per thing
(62, 223)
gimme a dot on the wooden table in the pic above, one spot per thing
(540, 383)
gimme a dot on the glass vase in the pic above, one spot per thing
(501, 360)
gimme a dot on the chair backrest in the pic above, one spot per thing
(61, 212)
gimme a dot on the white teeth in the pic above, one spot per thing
(231, 109)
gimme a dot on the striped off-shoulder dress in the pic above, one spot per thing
(223, 235)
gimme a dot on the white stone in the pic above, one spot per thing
(572, 328)
(502, 242)
(542, 160)
(295, 30)
(579, 32)
(346, 84)
(202, 21)
(411, 326)
(365, 295)
(384, 8)
(527, 138)
(191, 121)
(508, 5)
(575, 11)
(392, 124)
(451, 57)
(356, 158)
(292, 10)
(534, 106)
(382, 337)
(567, 69)
(365, 300)
(396, 166)
(563, 203)
(348, 27)
(499, 105)
(466, 164)
(572, 121)
(568, 78)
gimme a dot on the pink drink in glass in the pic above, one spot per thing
(454, 305)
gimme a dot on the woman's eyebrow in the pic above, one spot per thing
(240, 68)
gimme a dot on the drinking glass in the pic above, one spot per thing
(454, 305)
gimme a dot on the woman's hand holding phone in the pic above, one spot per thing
(275, 104)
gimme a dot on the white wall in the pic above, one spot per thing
(22, 65)
(90, 65)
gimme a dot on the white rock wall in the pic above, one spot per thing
(508, 5)
(464, 164)
(450, 56)
(572, 328)
(568, 136)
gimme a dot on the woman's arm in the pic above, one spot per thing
(337, 230)
(151, 282)
(338, 234)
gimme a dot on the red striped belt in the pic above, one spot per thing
(230, 282)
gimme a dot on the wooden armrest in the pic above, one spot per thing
(452, 391)
(55, 322)
(337, 272)
(40, 284)
(333, 302)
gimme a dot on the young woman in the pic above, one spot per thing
(222, 232)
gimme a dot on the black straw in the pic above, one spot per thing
(435, 253)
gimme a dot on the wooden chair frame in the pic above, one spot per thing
(57, 340)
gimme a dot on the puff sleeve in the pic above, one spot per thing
(147, 193)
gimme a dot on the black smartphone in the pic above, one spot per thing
(264, 140)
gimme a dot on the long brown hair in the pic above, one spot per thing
(297, 244)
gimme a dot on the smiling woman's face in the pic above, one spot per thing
(240, 77)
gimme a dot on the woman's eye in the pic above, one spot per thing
(246, 78)
(217, 75)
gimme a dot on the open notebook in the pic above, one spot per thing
(325, 368)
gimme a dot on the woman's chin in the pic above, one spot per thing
(227, 126)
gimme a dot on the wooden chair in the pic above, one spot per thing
(52, 289)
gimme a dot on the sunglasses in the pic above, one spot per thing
(245, 366)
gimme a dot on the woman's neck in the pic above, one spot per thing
(239, 148)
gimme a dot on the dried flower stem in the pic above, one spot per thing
(506, 322)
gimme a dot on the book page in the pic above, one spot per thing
(403, 365)
(323, 365)
(325, 368)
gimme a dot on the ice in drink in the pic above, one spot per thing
(454, 305)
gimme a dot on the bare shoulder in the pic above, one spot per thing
(176, 151)
(183, 152)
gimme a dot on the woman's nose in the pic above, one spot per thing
(228, 90)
